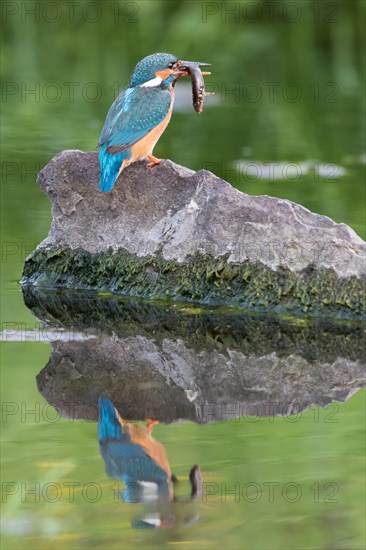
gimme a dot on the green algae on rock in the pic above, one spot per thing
(199, 279)
(203, 328)
(171, 233)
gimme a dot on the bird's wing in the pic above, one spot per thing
(125, 459)
(134, 114)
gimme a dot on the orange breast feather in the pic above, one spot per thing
(141, 435)
(145, 146)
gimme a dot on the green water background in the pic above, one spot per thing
(288, 78)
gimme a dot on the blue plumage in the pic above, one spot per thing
(136, 112)
(146, 68)
(109, 167)
(125, 459)
(108, 425)
(139, 115)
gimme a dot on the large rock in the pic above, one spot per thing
(169, 232)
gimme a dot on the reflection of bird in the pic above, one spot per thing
(133, 455)
(139, 115)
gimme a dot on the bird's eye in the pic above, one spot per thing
(171, 65)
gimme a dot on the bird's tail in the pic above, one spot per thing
(109, 426)
(110, 166)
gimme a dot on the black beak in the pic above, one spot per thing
(193, 64)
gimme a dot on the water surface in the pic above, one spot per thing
(269, 408)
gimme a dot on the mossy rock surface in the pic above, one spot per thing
(201, 279)
(203, 328)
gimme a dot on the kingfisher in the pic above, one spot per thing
(131, 454)
(139, 115)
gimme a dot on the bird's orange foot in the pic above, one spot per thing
(151, 423)
(154, 161)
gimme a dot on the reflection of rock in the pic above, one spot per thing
(170, 364)
(127, 371)
(172, 232)
(167, 380)
(204, 328)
